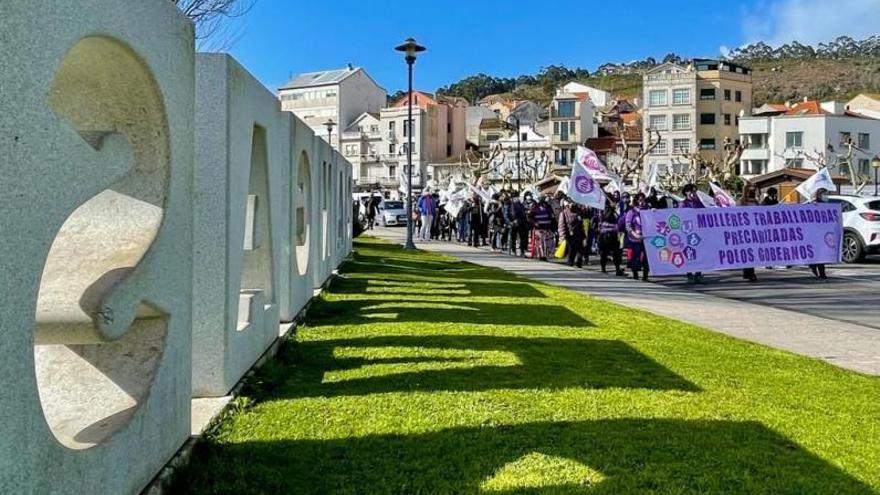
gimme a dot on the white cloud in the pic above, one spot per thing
(810, 21)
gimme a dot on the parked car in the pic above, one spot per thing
(861, 226)
(392, 213)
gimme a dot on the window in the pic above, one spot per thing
(707, 94)
(392, 125)
(739, 96)
(449, 128)
(726, 119)
(736, 121)
(753, 167)
(660, 149)
(794, 162)
(391, 148)
(657, 98)
(657, 122)
(681, 122)
(845, 205)
(681, 146)
(407, 125)
(524, 136)
(864, 166)
(864, 141)
(681, 96)
(392, 169)
(707, 144)
(492, 137)
(726, 95)
(448, 150)
(845, 138)
(794, 139)
(374, 128)
(556, 128)
(707, 118)
(565, 109)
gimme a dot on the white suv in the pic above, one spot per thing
(861, 225)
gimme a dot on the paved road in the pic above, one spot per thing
(852, 293)
(798, 322)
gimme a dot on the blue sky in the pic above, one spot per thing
(278, 38)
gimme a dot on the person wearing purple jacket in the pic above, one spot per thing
(691, 200)
(634, 241)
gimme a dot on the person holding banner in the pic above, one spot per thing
(749, 199)
(818, 269)
(692, 200)
(634, 241)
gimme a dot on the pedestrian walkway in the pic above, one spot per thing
(843, 344)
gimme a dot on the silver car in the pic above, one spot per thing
(392, 213)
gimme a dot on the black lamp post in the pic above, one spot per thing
(410, 48)
(876, 164)
(515, 119)
(330, 125)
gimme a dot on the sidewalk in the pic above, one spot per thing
(846, 345)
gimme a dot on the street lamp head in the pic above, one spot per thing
(410, 48)
(329, 125)
(875, 162)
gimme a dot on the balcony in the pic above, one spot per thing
(564, 138)
(556, 114)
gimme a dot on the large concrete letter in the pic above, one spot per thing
(242, 156)
(95, 227)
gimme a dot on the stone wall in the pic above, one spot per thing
(159, 217)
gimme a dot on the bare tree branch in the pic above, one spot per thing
(213, 31)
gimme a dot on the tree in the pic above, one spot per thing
(840, 162)
(210, 17)
(699, 170)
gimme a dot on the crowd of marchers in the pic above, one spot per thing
(544, 226)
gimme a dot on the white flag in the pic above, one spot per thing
(584, 189)
(590, 162)
(722, 198)
(564, 185)
(654, 177)
(613, 186)
(404, 185)
(819, 180)
(707, 200)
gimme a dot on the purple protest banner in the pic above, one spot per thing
(686, 240)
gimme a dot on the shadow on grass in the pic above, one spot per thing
(354, 312)
(616, 456)
(316, 368)
(462, 287)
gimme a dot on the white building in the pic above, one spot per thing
(342, 95)
(796, 136)
(598, 97)
(376, 143)
(573, 120)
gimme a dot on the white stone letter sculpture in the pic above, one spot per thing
(96, 109)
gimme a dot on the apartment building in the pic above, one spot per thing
(342, 95)
(361, 145)
(780, 136)
(572, 122)
(693, 108)
(376, 143)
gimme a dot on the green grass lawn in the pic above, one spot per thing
(416, 373)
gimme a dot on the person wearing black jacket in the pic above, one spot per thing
(495, 220)
(476, 219)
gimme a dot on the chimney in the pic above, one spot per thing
(806, 99)
(350, 67)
